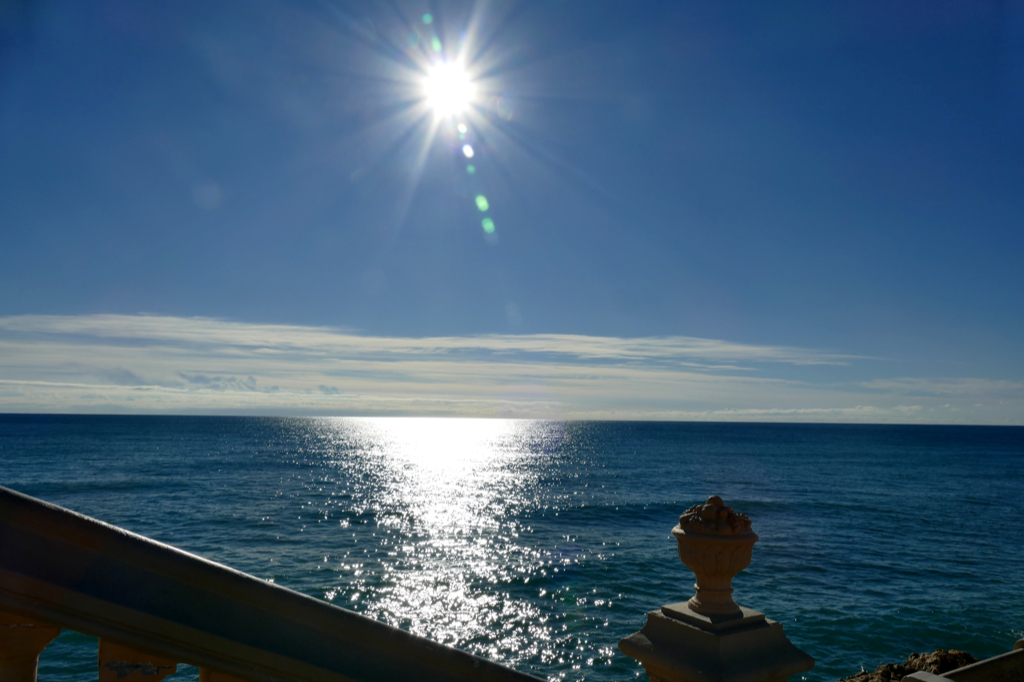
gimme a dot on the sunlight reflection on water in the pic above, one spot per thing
(445, 502)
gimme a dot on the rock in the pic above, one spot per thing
(939, 662)
(716, 500)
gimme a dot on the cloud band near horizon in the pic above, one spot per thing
(175, 365)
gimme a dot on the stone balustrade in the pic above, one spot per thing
(153, 606)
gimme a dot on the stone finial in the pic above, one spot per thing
(710, 638)
(716, 543)
(714, 518)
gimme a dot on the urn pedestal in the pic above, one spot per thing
(710, 638)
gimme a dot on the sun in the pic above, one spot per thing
(448, 89)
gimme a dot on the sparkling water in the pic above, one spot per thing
(540, 544)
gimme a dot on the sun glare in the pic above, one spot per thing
(448, 89)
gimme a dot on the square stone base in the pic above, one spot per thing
(678, 645)
(715, 622)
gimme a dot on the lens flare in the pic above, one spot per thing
(448, 88)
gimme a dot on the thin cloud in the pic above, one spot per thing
(155, 364)
(200, 332)
(953, 386)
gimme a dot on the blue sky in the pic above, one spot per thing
(701, 210)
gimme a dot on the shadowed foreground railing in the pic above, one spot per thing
(153, 606)
(1008, 667)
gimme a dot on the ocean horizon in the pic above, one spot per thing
(539, 544)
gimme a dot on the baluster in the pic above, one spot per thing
(207, 675)
(21, 641)
(117, 662)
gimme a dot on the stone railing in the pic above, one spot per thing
(153, 606)
(1008, 667)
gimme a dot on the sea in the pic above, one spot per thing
(540, 544)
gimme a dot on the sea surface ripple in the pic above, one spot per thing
(540, 544)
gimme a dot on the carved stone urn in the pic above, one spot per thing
(710, 638)
(715, 543)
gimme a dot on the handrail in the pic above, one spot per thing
(1008, 667)
(73, 571)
